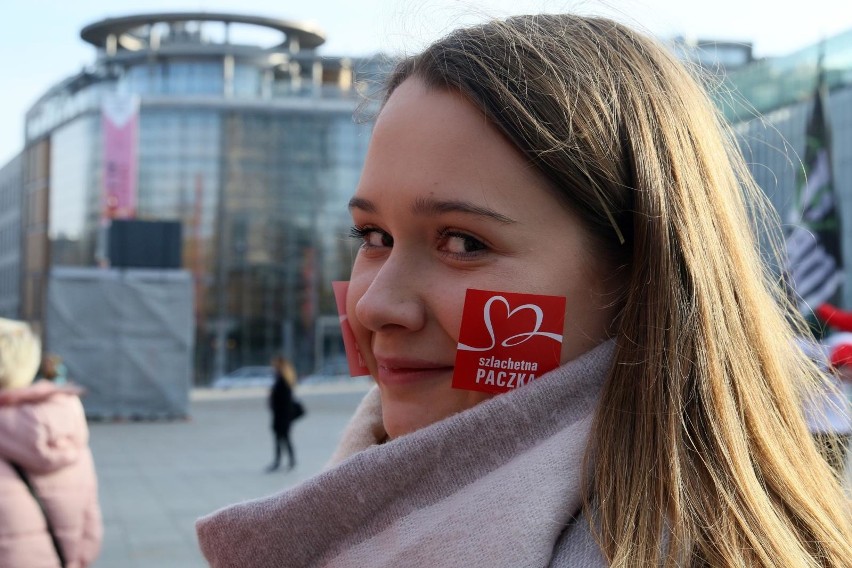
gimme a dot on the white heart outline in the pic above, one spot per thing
(539, 317)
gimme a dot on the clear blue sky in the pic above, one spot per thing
(40, 44)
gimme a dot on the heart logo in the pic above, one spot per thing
(518, 338)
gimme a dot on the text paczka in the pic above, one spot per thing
(507, 339)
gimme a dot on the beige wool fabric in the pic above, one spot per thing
(498, 485)
(20, 354)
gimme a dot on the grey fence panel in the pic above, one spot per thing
(126, 336)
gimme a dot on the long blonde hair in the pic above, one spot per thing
(20, 351)
(284, 368)
(699, 455)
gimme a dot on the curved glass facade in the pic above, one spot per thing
(174, 77)
(75, 165)
(254, 150)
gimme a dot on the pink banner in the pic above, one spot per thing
(120, 120)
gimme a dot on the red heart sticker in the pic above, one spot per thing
(507, 339)
(357, 367)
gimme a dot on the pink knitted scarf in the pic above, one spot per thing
(499, 485)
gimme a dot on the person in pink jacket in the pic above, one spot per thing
(49, 510)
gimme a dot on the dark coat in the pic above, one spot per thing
(281, 404)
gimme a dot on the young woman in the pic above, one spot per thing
(283, 408)
(564, 156)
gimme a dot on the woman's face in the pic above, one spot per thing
(446, 203)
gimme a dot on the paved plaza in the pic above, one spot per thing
(157, 478)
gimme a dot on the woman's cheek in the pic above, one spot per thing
(450, 309)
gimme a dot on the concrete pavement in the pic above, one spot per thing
(157, 478)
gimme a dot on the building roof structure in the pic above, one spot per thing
(133, 32)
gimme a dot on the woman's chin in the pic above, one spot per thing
(403, 415)
(398, 423)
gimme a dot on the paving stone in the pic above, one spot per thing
(157, 478)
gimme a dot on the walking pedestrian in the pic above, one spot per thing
(283, 406)
(49, 511)
(559, 160)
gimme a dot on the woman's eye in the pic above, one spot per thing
(371, 237)
(460, 245)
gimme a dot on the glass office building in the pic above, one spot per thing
(246, 135)
(11, 185)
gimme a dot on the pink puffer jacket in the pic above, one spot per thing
(43, 430)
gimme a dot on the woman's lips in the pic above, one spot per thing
(403, 372)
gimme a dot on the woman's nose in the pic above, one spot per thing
(394, 298)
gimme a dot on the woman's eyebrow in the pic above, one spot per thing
(363, 204)
(431, 206)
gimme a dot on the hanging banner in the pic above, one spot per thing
(813, 240)
(120, 125)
